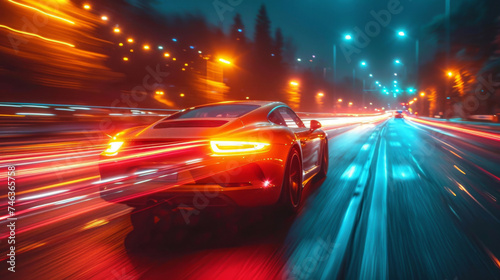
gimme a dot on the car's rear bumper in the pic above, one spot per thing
(243, 181)
(195, 196)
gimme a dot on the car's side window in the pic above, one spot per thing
(291, 119)
(276, 118)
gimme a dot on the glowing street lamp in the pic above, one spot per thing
(320, 94)
(116, 30)
(86, 7)
(125, 58)
(130, 40)
(104, 18)
(224, 61)
(450, 74)
(294, 83)
(401, 33)
(422, 94)
(348, 37)
(371, 75)
(146, 47)
(339, 100)
(363, 63)
(397, 61)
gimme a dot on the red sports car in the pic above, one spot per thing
(242, 153)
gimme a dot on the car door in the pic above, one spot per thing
(309, 140)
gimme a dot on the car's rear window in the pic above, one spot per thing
(215, 111)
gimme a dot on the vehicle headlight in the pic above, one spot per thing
(238, 147)
(113, 148)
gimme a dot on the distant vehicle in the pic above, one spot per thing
(244, 153)
(399, 114)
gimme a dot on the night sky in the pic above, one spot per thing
(315, 25)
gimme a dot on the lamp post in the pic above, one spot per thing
(403, 34)
(347, 37)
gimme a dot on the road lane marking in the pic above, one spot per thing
(374, 264)
(395, 144)
(335, 260)
(351, 173)
(403, 172)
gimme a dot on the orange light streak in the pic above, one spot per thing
(37, 36)
(40, 11)
(488, 135)
(456, 167)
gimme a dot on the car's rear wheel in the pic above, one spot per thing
(142, 220)
(291, 192)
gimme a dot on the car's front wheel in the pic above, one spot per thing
(324, 161)
(291, 191)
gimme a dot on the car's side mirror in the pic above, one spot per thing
(315, 125)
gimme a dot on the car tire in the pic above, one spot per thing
(324, 161)
(142, 222)
(291, 192)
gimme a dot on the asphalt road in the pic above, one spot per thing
(401, 200)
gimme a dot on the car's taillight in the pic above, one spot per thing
(112, 149)
(238, 147)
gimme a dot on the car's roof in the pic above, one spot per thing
(245, 102)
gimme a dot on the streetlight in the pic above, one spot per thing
(347, 37)
(104, 18)
(224, 61)
(450, 74)
(339, 100)
(422, 94)
(363, 63)
(130, 40)
(403, 34)
(371, 75)
(294, 83)
(116, 30)
(320, 94)
(397, 61)
(86, 7)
